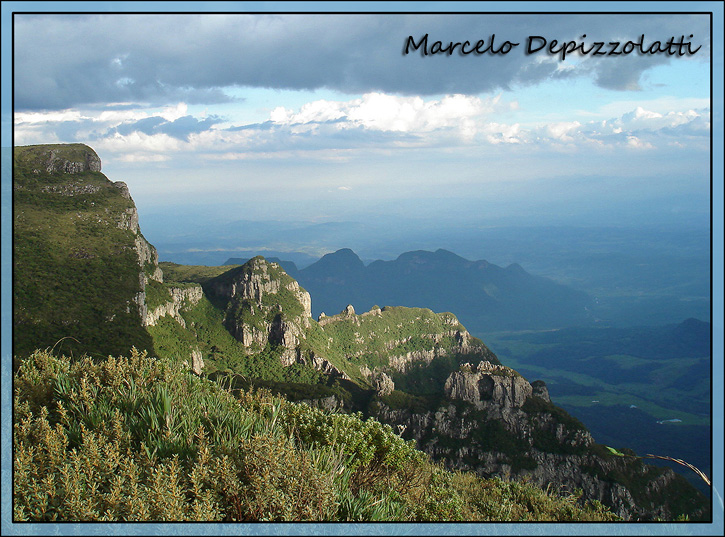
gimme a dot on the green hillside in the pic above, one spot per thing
(76, 272)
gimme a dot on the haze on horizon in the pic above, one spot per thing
(321, 119)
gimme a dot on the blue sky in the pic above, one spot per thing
(323, 118)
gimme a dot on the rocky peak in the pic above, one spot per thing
(67, 158)
(264, 306)
(540, 390)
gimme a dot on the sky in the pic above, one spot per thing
(324, 117)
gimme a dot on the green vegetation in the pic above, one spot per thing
(175, 273)
(157, 294)
(76, 272)
(140, 438)
(221, 352)
(663, 371)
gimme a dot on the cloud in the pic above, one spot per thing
(342, 130)
(381, 112)
(68, 61)
(181, 128)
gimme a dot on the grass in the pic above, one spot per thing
(142, 439)
(69, 250)
(175, 273)
(659, 403)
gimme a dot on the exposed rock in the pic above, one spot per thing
(401, 362)
(254, 314)
(488, 385)
(123, 187)
(128, 220)
(540, 390)
(90, 162)
(325, 366)
(197, 361)
(375, 311)
(383, 384)
(78, 189)
(180, 298)
(328, 404)
(497, 433)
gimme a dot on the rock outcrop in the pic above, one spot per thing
(264, 306)
(488, 386)
(86, 161)
(197, 361)
(180, 298)
(498, 425)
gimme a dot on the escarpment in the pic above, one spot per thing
(493, 422)
(179, 298)
(88, 281)
(82, 264)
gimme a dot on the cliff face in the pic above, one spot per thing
(82, 264)
(181, 298)
(489, 387)
(495, 423)
(263, 306)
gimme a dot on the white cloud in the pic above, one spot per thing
(140, 144)
(497, 133)
(563, 130)
(341, 130)
(22, 118)
(391, 113)
(633, 141)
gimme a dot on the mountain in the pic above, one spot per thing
(251, 326)
(424, 374)
(81, 266)
(484, 296)
(289, 266)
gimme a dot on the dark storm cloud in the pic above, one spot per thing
(71, 60)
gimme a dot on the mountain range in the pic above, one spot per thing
(484, 296)
(78, 249)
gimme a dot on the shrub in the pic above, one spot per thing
(143, 439)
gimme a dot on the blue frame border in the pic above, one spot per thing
(7, 527)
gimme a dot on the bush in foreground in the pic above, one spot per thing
(139, 438)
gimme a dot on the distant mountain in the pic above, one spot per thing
(483, 295)
(83, 269)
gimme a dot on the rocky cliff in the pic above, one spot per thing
(495, 423)
(263, 306)
(180, 298)
(82, 264)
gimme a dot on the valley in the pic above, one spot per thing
(394, 345)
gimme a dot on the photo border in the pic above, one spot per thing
(7, 527)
